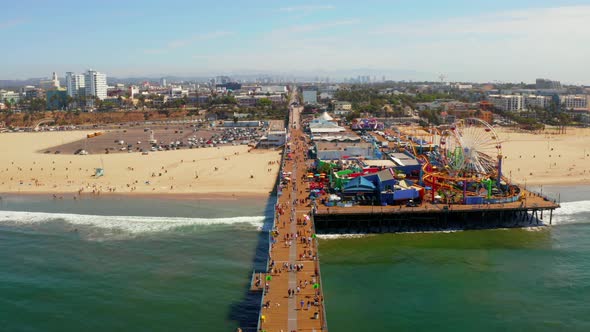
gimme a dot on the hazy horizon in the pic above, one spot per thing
(506, 41)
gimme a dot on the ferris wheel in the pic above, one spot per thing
(470, 147)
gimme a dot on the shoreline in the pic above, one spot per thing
(221, 196)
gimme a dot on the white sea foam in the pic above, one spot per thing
(342, 236)
(570, 212)
(127, 224)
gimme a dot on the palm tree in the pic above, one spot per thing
(7, 104)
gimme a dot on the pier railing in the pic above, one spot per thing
(537, 190)
(270, 237)
(323, 319)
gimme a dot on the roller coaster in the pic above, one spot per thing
(463, 164)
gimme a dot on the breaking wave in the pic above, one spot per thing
(572, 213)
(342, 236)
(127, 224)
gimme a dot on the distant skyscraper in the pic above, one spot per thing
(55, 80)
(74, 82)
(542, 83)
(163, 82)
(95, 84)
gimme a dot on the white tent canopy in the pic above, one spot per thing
(326, 117)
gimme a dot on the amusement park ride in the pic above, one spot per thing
(464, 164)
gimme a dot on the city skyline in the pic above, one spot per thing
(500, 41)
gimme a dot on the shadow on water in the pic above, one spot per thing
(245, 312)
(435, 222)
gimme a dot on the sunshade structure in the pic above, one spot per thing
(359, 185)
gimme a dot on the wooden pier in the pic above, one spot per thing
(428, 216)
(293, 262)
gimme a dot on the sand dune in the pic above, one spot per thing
(23, 170)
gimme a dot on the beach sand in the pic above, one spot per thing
(531, 159)
(225, 170)
(546, 158)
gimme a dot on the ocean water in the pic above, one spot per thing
(535, 279)
(113, 264)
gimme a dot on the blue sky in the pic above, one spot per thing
(497, 40)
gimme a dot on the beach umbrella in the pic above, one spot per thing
(268, 277)
(317, 174)
(316, 286)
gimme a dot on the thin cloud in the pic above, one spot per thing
(178, 43)
(316, 26)
(568, 20)
(306, 8)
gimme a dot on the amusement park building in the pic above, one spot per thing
(405, 162)
(341, 150)
(388, 189)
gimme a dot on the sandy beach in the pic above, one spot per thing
(547, 158)
(534, 159)
(225, 170)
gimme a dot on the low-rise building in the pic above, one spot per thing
(56, 99)
(344, 150)
(276, 134)
(342, 107)
(10, 96)
(310, 97)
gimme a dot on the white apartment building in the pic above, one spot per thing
(74, 82)
(11, 96)
(535, 101)
(574, 101)
(507, 103)
(177, 92)
(95, 84)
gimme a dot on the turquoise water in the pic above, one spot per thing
(495, 280)
(113, 264)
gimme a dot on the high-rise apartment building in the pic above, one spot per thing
(508, 103)
(537, 101)
(74, 84)
(95, 84)
(574, 102)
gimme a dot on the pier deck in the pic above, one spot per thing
(530, 201)
(281, 312)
